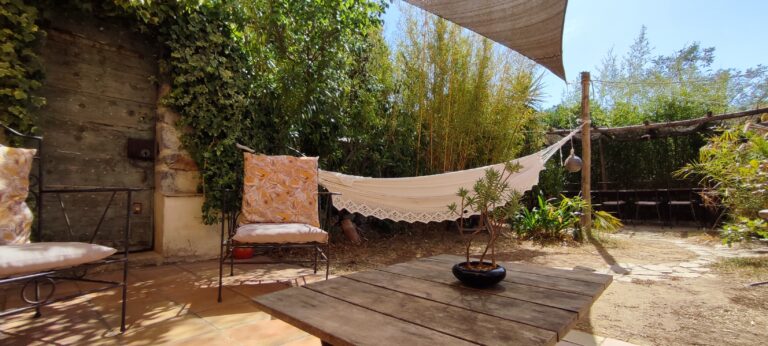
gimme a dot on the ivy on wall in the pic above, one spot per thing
(212, 89)
(269, 74)
(21, 71)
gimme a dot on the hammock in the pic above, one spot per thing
(425, 198)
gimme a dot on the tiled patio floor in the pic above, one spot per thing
(176, 305)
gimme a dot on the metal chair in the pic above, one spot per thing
(642, 201)
(270, 216)
(612, 199)
(38, 266)
(677, 202)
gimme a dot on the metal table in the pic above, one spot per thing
(420, 302)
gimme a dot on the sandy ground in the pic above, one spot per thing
(715, 309)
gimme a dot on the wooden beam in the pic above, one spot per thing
(646, 128)
(586, 153)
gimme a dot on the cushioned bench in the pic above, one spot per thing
(40, 257)
(280, 233)
(37, 267)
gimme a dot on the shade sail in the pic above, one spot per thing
(533, 28)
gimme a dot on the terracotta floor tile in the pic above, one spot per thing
(143, 312)
(233, 314)
(12, 295)
(166, 332)
(14, 339)
(202, 298)
(174, 304)
(208, 339)
(255, 290)
(60, 325)
(161, 274)
(273, 332)
(308, 340)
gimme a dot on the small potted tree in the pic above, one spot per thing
(496, 202)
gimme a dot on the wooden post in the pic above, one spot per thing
(586, 156)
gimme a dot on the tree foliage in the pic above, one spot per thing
(310, 77)
(642, 87)
(495, 201)
(21, 71)
(270, 74)
(734, 167)
(472, 103)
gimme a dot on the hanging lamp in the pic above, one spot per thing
(573, 163)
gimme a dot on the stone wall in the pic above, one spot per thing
(176, 173)
(179, 230)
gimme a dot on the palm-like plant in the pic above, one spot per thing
(495, 201)
(550, 222)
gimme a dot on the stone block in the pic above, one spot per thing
(168, 137)
(180, 161)
(178, 183)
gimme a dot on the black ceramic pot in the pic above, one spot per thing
(478, 278)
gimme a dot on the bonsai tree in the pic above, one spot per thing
(496, 202)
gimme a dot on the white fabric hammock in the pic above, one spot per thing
(425, 198)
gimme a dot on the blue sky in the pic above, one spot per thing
(736, 29)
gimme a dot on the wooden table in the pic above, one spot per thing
(421, 303)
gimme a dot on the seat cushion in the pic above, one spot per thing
(15, 216)
(280, 189)
(280, 233)
(37, 257)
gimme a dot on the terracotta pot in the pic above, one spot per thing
(242, 252)
(479, 278)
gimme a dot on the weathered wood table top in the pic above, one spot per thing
(422, 303)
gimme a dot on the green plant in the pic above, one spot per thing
(548, 221)
(743, 229)
(21, 72)
(733, 166)
(469, 104)
(495, 201)
(272, 75)
(604, 222)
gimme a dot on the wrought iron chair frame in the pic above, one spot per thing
(643, 202)
(78, 273)
(616, 202)
(673, 203)
(228, 245)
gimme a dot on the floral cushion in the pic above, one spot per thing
(280, 189)
(15, 215)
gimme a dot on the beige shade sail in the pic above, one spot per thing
(533, 28)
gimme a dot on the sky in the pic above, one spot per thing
(736, 28)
